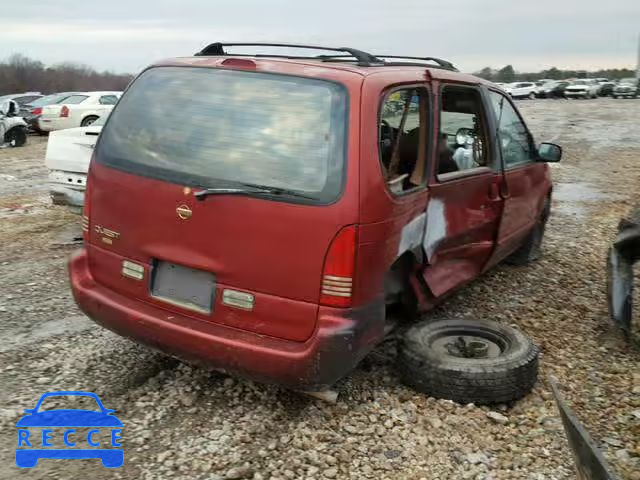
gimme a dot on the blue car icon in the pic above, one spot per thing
(31, 447)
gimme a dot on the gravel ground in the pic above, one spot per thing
(184, 422)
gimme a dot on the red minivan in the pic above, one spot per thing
(262, 213)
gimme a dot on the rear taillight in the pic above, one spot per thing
(86, 212)
(36, 111)
(64, 111)
(339, 265)
(85, 227)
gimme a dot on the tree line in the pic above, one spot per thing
(508, 74)
(21, 74)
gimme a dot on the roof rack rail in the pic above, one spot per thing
(438, 61)
(346, 55)
(363, 58)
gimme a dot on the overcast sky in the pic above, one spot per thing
(529, 34)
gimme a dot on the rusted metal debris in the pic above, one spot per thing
(590, 463)
(623, 253)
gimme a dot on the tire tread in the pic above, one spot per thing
(499, 383)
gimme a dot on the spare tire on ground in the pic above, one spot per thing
(468, 361)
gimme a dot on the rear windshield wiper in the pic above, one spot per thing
(250, 190)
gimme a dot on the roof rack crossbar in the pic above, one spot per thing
(218, 48)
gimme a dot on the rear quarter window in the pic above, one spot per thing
(108, 100)
(75, 99)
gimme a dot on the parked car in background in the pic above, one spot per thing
(21, 98)
(522, 90)
(32, 111)
(67, 158)
(540, 86)
(583, 88)
(627, 88)
(553, 89)
(13, 129)
(606, 89)
(79, 110)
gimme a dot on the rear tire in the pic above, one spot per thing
(531, 249)
(429, 361)
(17, 136)
(88, 120)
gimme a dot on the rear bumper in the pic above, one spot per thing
(55, 123)
(67, 188)
(61, 195)
(341, 339)
(32, 122)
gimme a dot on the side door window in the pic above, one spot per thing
(463, 141)
(108, 100)
(515, 141)
(402, 139)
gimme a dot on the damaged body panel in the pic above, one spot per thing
(589, 461)
(67, 158)
(623, 254)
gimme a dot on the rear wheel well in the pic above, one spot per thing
(398, 295)
(88, 120)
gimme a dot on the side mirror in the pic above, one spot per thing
(549, 152)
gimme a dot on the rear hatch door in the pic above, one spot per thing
(272, 150)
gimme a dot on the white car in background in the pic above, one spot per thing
(583, 88)
(541, 85)
(68, 155)
(79, 110)
(522, 90)
(627, 88)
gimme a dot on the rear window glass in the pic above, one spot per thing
(208, 127)
(48, 100)
(26, 99)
